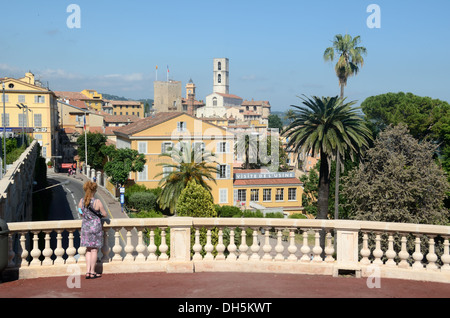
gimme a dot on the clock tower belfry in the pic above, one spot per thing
(190, 88)
(221, 74)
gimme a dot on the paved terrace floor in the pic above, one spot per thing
(221, 285)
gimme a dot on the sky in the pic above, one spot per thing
(275, 48)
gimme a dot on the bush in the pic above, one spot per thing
(253, 214)
(142, 201)
(275, 215)
(297, 216)
(228, 211)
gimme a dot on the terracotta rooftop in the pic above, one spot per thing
(256, 103)
(147, 122)
(266, 181)
(229, 96)
(71, 95)
(120, 118)
(125, 102)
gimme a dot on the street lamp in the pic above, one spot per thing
(4, 126)
(32, 115)
(23, 115)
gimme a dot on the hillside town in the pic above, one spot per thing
(56, 119)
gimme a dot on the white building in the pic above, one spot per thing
(216, 103)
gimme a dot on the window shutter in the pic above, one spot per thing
(228, 171)
(218, 172)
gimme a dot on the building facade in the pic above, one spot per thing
(268, 191)
(154, 135)
(39, 117)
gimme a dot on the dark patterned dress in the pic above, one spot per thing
(91, 228)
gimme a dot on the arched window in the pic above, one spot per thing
(214, 101)
(219, 78)
(219, 66)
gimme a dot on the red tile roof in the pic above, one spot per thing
(268, 182)
(147, 122)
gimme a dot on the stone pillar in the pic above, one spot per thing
(99, 178)
(347, 248)
(180, 245)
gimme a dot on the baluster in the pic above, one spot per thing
(140, 248)
(403, 254)
(255, 246)
(243, 248)
(317, 250)
(267, 248)
(197, 247)
(35, 252)
(279, 248)
(82, 255)
(417, 255)
(232, 256)
(105, 247)
(445, 258)
(24, 252)
(329, 249)
(208, 246)
(378, 252)
(71, 250)
(152, 247)
(431, 256)
(117, 248)
(365, 251)
(292, 248)
(129, 248)
(163, 248)
(390, 253)
(59, 251)
(47, 252)
(305, 249)
(220, 248)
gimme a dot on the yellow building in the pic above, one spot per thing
(267, 191)
(72, 123)
(39, 117)
(94, 100)
(152, 136)
(127, 107)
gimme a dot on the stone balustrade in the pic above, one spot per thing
(184, 244)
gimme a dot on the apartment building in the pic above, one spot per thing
(30, 107)
(153, 135)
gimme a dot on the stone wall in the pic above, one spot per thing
(16, 187)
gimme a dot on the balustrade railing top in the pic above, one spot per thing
(182, 244)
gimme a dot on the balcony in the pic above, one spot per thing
(44, 249)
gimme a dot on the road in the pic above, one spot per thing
(64, 206)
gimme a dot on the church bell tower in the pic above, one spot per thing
(221, 74)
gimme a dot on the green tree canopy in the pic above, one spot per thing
(195, 201)
(274, 121)
(121, 162)
(95, 142)
(426, 118)
(398, 182)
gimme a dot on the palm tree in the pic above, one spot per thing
(190, 163)
(324, 126)
(350, 59)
